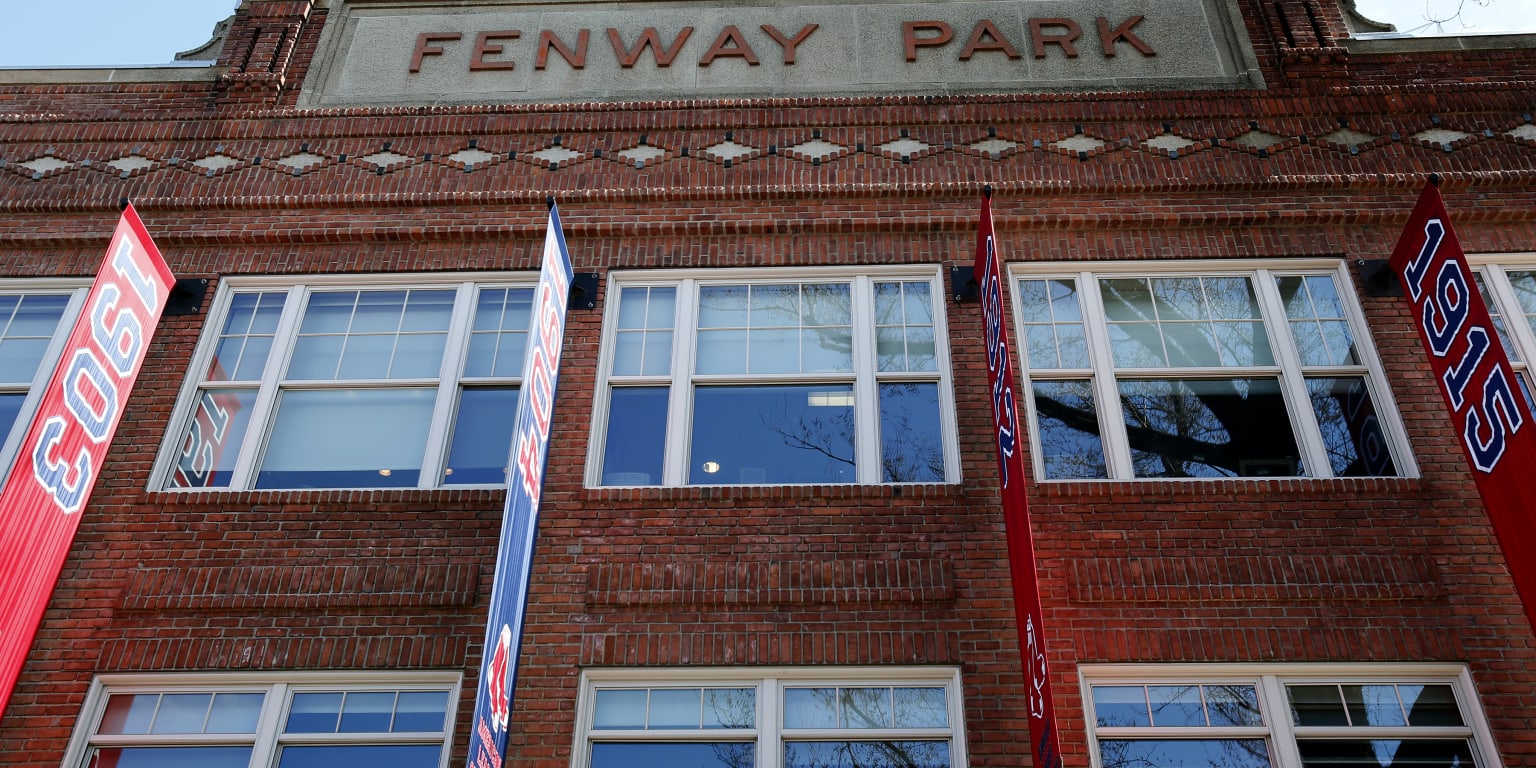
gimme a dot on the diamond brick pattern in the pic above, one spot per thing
(131, 163)
(904, 147)
(471, 157)
(1257, 139)
(815, 149)
(1171, 142)
(46, 164)
(1442, 136)
(643, 153)
(385, 159)
(216, 162)
(993, 146)
(1347, 137)
(1079, 143)
(301, 161)
(729, 151)
(1527, 132)
(555, 155)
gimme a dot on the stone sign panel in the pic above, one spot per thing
(393, 53)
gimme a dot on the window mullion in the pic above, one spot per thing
(1277, 715)
(450, 371)
(283, 341)
(680, 396)
(1515, 325)
(770, 734)
(1117, 446)
(269, 725)
(866, 391)
(1298, 398)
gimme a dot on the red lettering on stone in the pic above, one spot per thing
(577, 59)
(484, 47)
(1109, 36)
(985, 37)
(664, 55)
(943, 34)
(1040, 39)
(425, 47)
(730, 43)
(789, 44)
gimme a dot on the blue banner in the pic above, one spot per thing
(525, 482)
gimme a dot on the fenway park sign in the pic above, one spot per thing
(425, 52)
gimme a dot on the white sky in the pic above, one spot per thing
(137, 32)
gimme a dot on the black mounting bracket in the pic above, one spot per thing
(962, 284)
(186, 297)
(1377, 278)
(583, 293)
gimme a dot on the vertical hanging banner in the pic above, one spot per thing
(520, 519)
(1487, 410)
(58, 461)
(1043, 735)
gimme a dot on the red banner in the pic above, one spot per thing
(1043, 735)
(1488, 412)
(58, 462)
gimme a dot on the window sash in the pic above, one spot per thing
(30, 389)
(252, 450)
(1104, 376)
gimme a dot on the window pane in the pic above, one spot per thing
(723, 754)
(636, 437)
(921, 708)
(1209, 428)
(1350, 427)
(1188, 322)
(1435, 753)
(911, 439)
(772, 435)
(36, 315)
(372, 756)
(182, 713)
(314, 713)
(170, 757)
(1233, 705)
(1120, 706)
(420, 711)
(1071, 442)
(367, 712)
(730, 708)
(1430, 705)
(20, 359)
(129, 713)
(482, 436)
(235, 713)
(1176, 706)
(674, 708)
(1316, 705)
(1184, 753)
(866, 754)
(620, 709)
(721, 352)
(1317, 320)
(246, 339)
(1373, 705)
(1127, 300)
(810, 707)
(723, 306)
(212, 441)
(774, 306)
(348, 438)
(10, 408)
(828, 304)
(904, 327)
(866, 708)
(499, 338)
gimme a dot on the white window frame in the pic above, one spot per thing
(1287, 369)
(682, 380)
(264, 410)
(1278, 730)
(769, 682)
(279, 688)
(76, 289)
(1490, 267)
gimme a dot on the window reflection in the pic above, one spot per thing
(1184, 753)
(348, 438)
(1209, 428)
(772, 435)
(170, 757)
(372, 756)
(482, 436)
(1382, 753)
(1071, 443)
(1351, 430)
(866, 754)
(911, 440)
(725, 754)
(636, 436)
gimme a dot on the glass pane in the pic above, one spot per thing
(328, 312)
(1430, 705)
(428, 312)
(1053, 328)
(866, 754)
(674, 708)
(235, 713)
(366, 357)
(829, 304)
(866, 707)
(1233, 705)
(1191, 345)
(723, 754)
(1316, 705)
(911, 440)
(1415, 753)
(1120, 706)
(824, 350)
(10, 408)
(417, 356)
(730, 707)
(367, 712)
(511, 354)
(316, 357)
(636, 438)
(721, 352)
(378, 312)
(1351, 431)
(20, 359)
(1176, 706)
(1071, 443)
(772, 435)
(628, 353)
(420, 711)
(170, 757)
(482, 436)
(347, 438)
(128, 713)
(1179, 298)
(810, 707)
(1127, 300)
(182, 713)
(1137, 345)
(774, 350)
(372, 756)
(774, 306)
(1209, 428)
(619, 709)
(314, 713)
(904, 327)
(921, 708)
(723, 306)
(36, 315)
(1371, 705)
(1184, 753)
(212, 441)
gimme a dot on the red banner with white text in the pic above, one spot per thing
(61, 456)
(1488, 412)
(1044, 739)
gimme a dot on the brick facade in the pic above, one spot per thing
(1341, 570)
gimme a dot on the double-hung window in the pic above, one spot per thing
(293, 720)
(1210, 369)
(1285, 716)
(333, 384)
(765, 377)
(1508, 285)
(34, 320)
(778, 718)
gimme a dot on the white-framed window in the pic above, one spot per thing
(1508, 286)
(739, 717)
(347, 382)
(35, 319)
(1285, 716)
(775, 377)
(258, 720)
(1203, 369)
